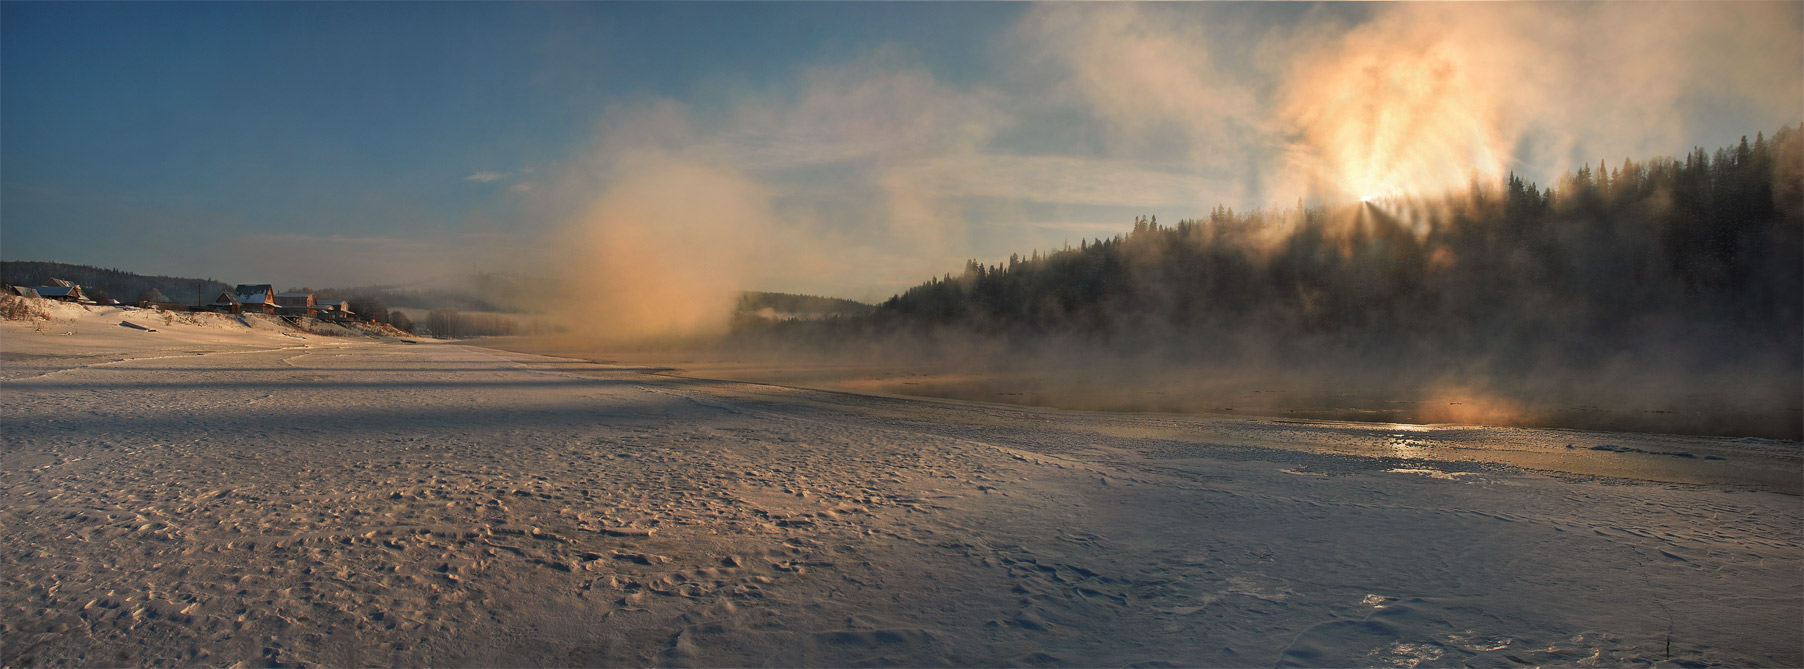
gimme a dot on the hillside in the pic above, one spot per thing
(1654, 296)
(1707, 247)
(117, 284)
(790, 305)
(485, 291)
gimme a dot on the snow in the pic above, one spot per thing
(53, 291)
(216, 492)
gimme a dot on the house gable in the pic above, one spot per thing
(255, 293)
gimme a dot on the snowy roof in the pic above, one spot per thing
(23, 291)
(54, 291)
(253, 292)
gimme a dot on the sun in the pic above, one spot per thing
(1367, 198)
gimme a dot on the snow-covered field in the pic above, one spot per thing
(214, 493)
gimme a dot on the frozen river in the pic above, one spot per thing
(216, 497)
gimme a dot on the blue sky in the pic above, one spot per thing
(873, 143)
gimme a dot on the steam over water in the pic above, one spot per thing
(1420, 213)
(1658, 296)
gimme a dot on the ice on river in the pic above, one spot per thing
(210, 495)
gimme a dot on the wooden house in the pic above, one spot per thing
(254, 298)
(295, 304)
(62, 292)
(337, 310)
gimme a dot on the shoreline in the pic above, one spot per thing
(1715, 406)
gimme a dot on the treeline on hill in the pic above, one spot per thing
(792, 306)
(1703, 252)
(101, 284)
(487, 291)
(443, 323)
(379, 304)
(453, 324)
(449, 309)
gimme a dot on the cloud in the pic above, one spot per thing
(1424, 95)
(845, 155)
(1147, 77)
(1055, 179)
(1419, 97)
(1397, 106)
(664, 250)
(878, 108)
(877, 172)
(650, 232)
(878, 154)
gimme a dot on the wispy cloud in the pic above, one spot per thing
(1071, 180)
(1150, 79)
(878, 171)
(1418, 97)
(878, 108)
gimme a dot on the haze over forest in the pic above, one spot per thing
(1665, 287)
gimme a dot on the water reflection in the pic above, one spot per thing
(1407, 447)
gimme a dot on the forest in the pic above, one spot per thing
(116, 284)
(1703, 253)
(1659, 295)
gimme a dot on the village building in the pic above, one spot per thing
(225, 303)
(295, 304)
(256, 298)
(337, 310)
(60, 290)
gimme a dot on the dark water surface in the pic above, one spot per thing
(1453, 427)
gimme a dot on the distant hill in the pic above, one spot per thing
(116, 284)
(487, 292)
(490, 292)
